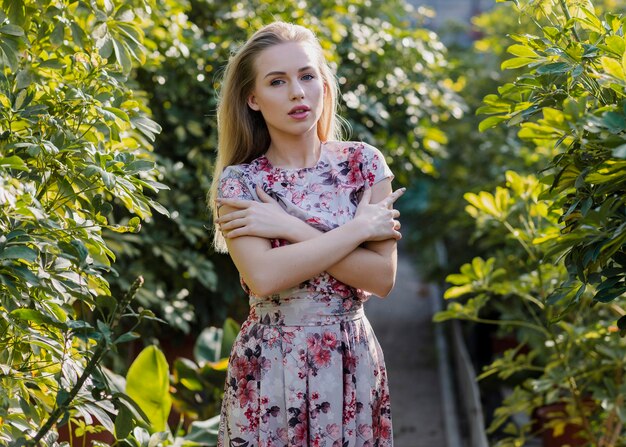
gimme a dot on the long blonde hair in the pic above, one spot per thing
(242, 132)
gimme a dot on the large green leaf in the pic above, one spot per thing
(147, 383)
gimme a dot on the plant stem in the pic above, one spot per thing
(58, 411)
(568, 16)
(512, 323)
(101, 349)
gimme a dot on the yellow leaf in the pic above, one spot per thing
(613, 67)
(220, 365)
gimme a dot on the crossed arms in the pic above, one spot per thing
(361, 253)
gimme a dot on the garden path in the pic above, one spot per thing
(403, 326)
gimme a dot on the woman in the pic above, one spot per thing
(309, 223)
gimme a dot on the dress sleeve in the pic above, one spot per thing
(374, 166)
(233, 185)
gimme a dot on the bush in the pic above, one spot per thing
(75, 142)
(558, 249)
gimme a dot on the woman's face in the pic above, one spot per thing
(288, 89)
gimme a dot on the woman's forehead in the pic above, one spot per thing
(286, 58)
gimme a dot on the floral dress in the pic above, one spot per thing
(306, 368)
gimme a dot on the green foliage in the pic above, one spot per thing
(74, 146)
(147, 383)
(574, 98)
(557, 243)
(195, 389)
(199, 386)
(472, 160)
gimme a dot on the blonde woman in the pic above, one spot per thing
(309, 222)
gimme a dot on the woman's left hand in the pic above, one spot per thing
(266, 219)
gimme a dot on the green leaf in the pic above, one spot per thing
(612, 67)
(230, 331)
(204, 432)
(208, 345)
(456, 292)
(124, 423)
(147, 383)
(554, 68)
(13, 162)
(621, 324)
(9, 53)
(146, 126)
(19, 252)
(517, 62)
(522, 51)
(128, 336)
(490, 122)
(33, 316)
(12, 30)
(122, 56)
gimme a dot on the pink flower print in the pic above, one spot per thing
(253, 420)
(240, 367)
(322, 358)
(349, 362)
(297, 197)
(355, 176)
(365, 431)
(383, 429)
(341, 289)
(315, 395)
(333, 431)
(264, 164)
(329, 340)
(300, 434)
(371, 178)
(283, 434)
(347, 304)
(231, 188)
(246, 392)
(326, 199)
(315, 187)
(313, 343)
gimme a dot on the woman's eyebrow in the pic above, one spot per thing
(282, 73)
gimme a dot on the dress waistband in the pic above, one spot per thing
(304, 312)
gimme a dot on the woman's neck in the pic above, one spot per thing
(302, 151)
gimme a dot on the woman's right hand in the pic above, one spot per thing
(379, 219)
(266, 219)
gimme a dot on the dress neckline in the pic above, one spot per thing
(309, 168)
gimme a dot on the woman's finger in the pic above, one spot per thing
(231, 216)
(235, 203)
(367, 195)
(237, 223)
(265, 197)
(395, 214)
(391, 198)
(397, 225)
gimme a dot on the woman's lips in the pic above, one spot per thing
(299, 112)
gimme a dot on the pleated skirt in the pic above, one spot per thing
(298, 376)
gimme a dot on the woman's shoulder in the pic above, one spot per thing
(349, 149)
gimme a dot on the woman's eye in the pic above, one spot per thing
(276, 82)
(308, 77)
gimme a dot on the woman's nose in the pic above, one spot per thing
(297, 92)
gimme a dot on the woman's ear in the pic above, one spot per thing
(252, 103)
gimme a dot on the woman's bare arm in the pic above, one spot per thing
(267, 270)
(371, 267)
